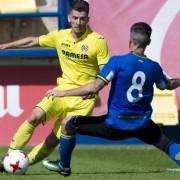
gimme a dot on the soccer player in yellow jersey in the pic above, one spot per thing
(81, 53)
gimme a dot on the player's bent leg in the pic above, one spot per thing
(44, 149)
(67, 144)
(69, 126)
(25, 131)
(22, 136)
(163, 143)
(170, 148)
(67, 140)
(20, 139)
(159, 140)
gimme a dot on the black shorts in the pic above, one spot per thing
(97, 128)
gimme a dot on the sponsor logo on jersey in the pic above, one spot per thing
(75, 56)
(66, 44)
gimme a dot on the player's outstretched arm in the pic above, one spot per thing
(22, 43)
(86, 90)
(173, 83)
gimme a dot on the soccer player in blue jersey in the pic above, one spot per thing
(129, 106)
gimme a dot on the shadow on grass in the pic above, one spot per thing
(101, 172)
(122, 172)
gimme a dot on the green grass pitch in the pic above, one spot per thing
(118, 162)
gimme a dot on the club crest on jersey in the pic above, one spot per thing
(84, 47)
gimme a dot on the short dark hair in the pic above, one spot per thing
(141, 33)
(80, 5)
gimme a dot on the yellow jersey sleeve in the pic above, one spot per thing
(48, 40)
(103, 54)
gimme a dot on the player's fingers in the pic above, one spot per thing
(88, 96)
(53, 96)
(49, 95)
(48, 92)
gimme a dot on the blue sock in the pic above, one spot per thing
(67, 145)
(174, 152)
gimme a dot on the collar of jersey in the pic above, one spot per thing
(143, 56)
(71, 39)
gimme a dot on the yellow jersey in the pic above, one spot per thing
(79, 59)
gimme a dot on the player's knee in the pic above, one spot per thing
(163, 143)
(64, 123)
(66, 127)
(37, 116)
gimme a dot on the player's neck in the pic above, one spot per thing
(139, 51)
(136, 49)
(76, 36)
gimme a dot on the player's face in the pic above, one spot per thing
(78, 21)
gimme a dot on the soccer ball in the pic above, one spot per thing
(16, 162)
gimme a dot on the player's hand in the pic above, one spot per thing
(89, 96)
(54, 93)
(3, 46)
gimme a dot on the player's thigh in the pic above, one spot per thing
(51, 107)
(94, 126)
(150, 134)
(97, 127)
(79, 106)
(74, 106)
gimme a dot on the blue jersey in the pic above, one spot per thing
(133, 77)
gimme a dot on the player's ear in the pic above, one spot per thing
(69, 18)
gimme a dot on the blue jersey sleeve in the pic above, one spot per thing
(109, 70)
(161, 79)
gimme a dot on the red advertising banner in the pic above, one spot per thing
(22, 87)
